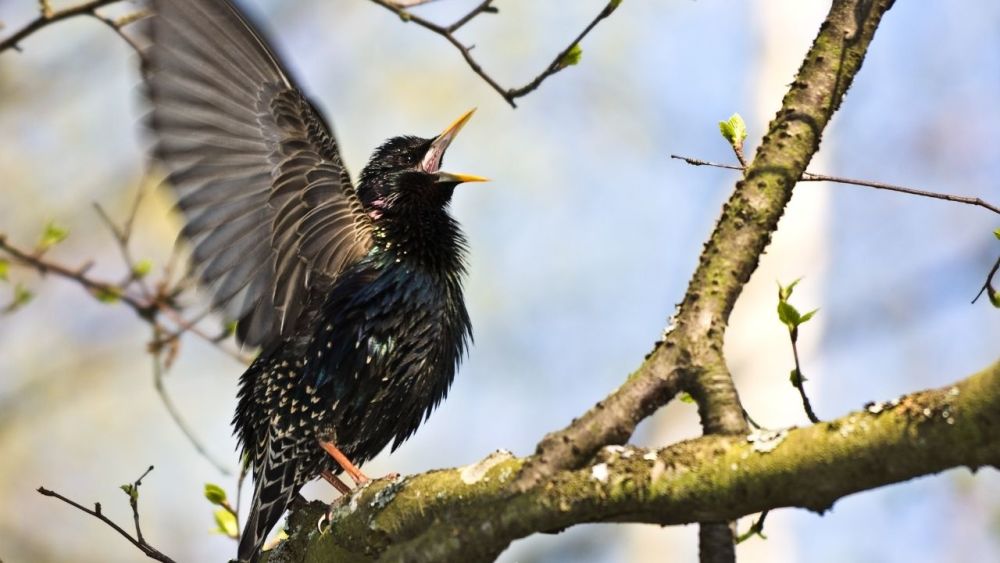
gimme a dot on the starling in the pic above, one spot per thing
(354, 295)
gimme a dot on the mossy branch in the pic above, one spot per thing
(472, 514)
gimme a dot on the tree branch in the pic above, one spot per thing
(811, 177)
(692, 345)
(48, 16)
(132, 490)
(150, 305)
(561, 61)
(717, 478)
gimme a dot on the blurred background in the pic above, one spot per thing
(580, 248)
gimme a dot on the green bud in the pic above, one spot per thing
(572, 56)
(131, 490)
(225, 523)
(52, 235)
(22, 296)
(142, 268)
(796, 377)
(215, 494)
(109, 295)
(734, 130)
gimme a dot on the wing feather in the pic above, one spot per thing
(270, 210)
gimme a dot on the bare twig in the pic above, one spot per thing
(991, 292)
(411, 3)
(244, 467)
(561, 61)
(122, 236)
(756, 529)
(811, 177)
(133, 501)
(116, 24)
(798, 380)
(150, 306)
(158, 373)
(484, 7)
(133, 492)
(49, 16)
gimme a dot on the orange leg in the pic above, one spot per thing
(353, 472)
(336, 482)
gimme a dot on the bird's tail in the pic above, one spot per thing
(274, 486)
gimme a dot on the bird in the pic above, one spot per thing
(353, 295)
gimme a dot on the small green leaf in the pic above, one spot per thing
(796, 378)
(4, 269)
(788, 314)
(994, 297)
(142, 268)
(572, 56)
(225, 523)
(22, 296)
(785, 292)
(131, 490)
(808, 316)
(108, 295)
(215, 494)
(734, 130)
(996, 233)
(52, 235)
(685, 397)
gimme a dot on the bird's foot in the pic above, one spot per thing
(352, 471)
(342, 487)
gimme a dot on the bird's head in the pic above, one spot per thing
(407, 171)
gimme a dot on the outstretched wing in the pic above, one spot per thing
(270, 210)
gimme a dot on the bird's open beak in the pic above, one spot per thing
(432, 160)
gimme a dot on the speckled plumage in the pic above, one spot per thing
(379, 355)
(353, 295)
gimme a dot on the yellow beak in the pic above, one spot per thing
(432, 160)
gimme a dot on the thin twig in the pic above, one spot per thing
(239, 491)
(137, 541)
(811, 177)
(123, 236)
(411, 3)
(133, 501)
(508, 94)
(117, 24)
(49, 16)
(158, 373)
(798, 380)
(559, 62)
(483, 7)
(756, 529)
(988, 285)
(147, 307)
(37, 262)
